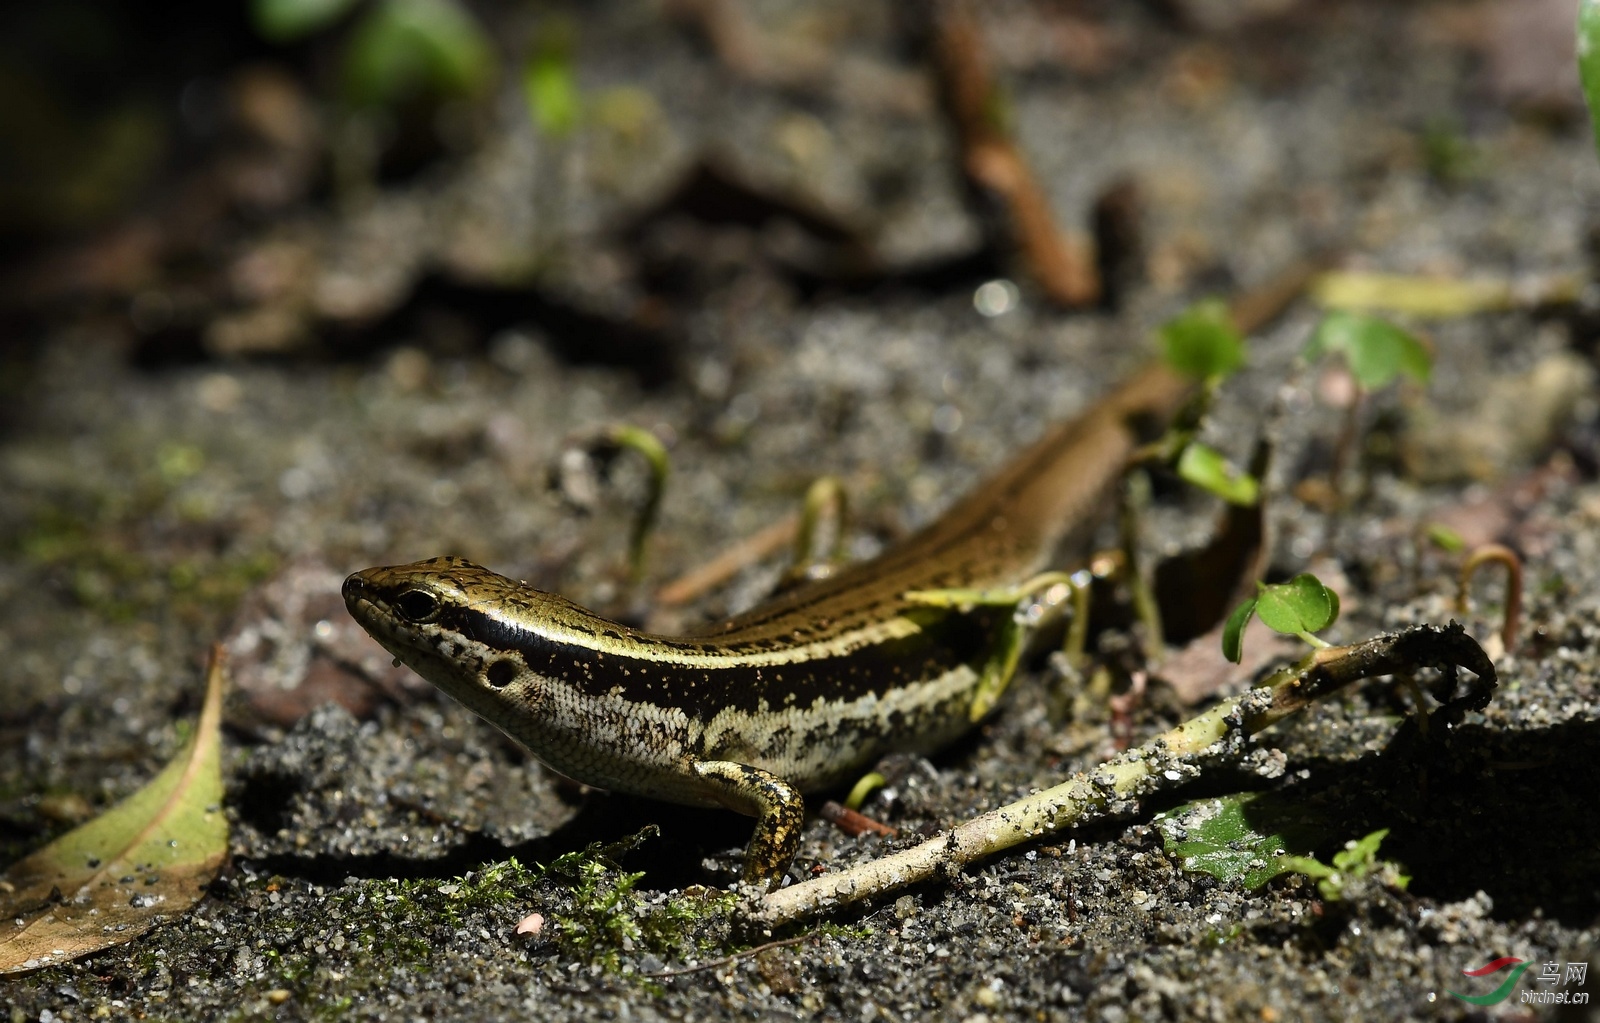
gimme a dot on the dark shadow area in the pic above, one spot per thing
(1512, 814)
(675, 858)
(672, 860)
(716, 195)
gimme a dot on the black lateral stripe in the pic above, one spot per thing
(703, 692)
(484, 628)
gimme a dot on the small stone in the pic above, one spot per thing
(532, 924)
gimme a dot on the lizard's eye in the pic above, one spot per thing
(416, 606)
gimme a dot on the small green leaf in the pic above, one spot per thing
(1446, 538)
(1239, 837)
(1589, 59)
(1358, 859)
(550, 87)
(1202, 342)
(1361, 855)
(1233, 631)
(285, 20)
(1205, 467)
(1310, 866)
(1376, 350)
(404, 48)
(1298, 607)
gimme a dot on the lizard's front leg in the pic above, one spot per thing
(778, 808)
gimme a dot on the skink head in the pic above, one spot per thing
(454, 623)
(529, 662)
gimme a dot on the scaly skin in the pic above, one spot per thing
(795, 695)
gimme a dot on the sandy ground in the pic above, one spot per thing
(151, 511)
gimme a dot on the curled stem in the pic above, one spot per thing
(649, 446)
(1136, 498)
(1479, 557)
(864, 788)
(1077, 638)
(825, 497)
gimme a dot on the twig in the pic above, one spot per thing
(1260, 306)
(994, 164)
(725, 960)
(695, 582)
(1114, 786)
(853, 822)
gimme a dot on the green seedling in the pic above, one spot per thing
(405, 48)
(397, 50)
(1445, 538)
(1300, 607)
(859, 792)
(1208, 469)
(597, 450)
(549, 83)
(1241, 837)
(1202, 342)
(649, 447)
(1358, 859)
(825, 512)
(1377, 351)
(1589, 59)
(1007, 648)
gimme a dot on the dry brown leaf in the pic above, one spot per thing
(147, 858)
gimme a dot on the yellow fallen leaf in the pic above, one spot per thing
(1436, 297)
(145, 859)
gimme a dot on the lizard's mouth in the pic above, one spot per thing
(372, 608)
(367, 606)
